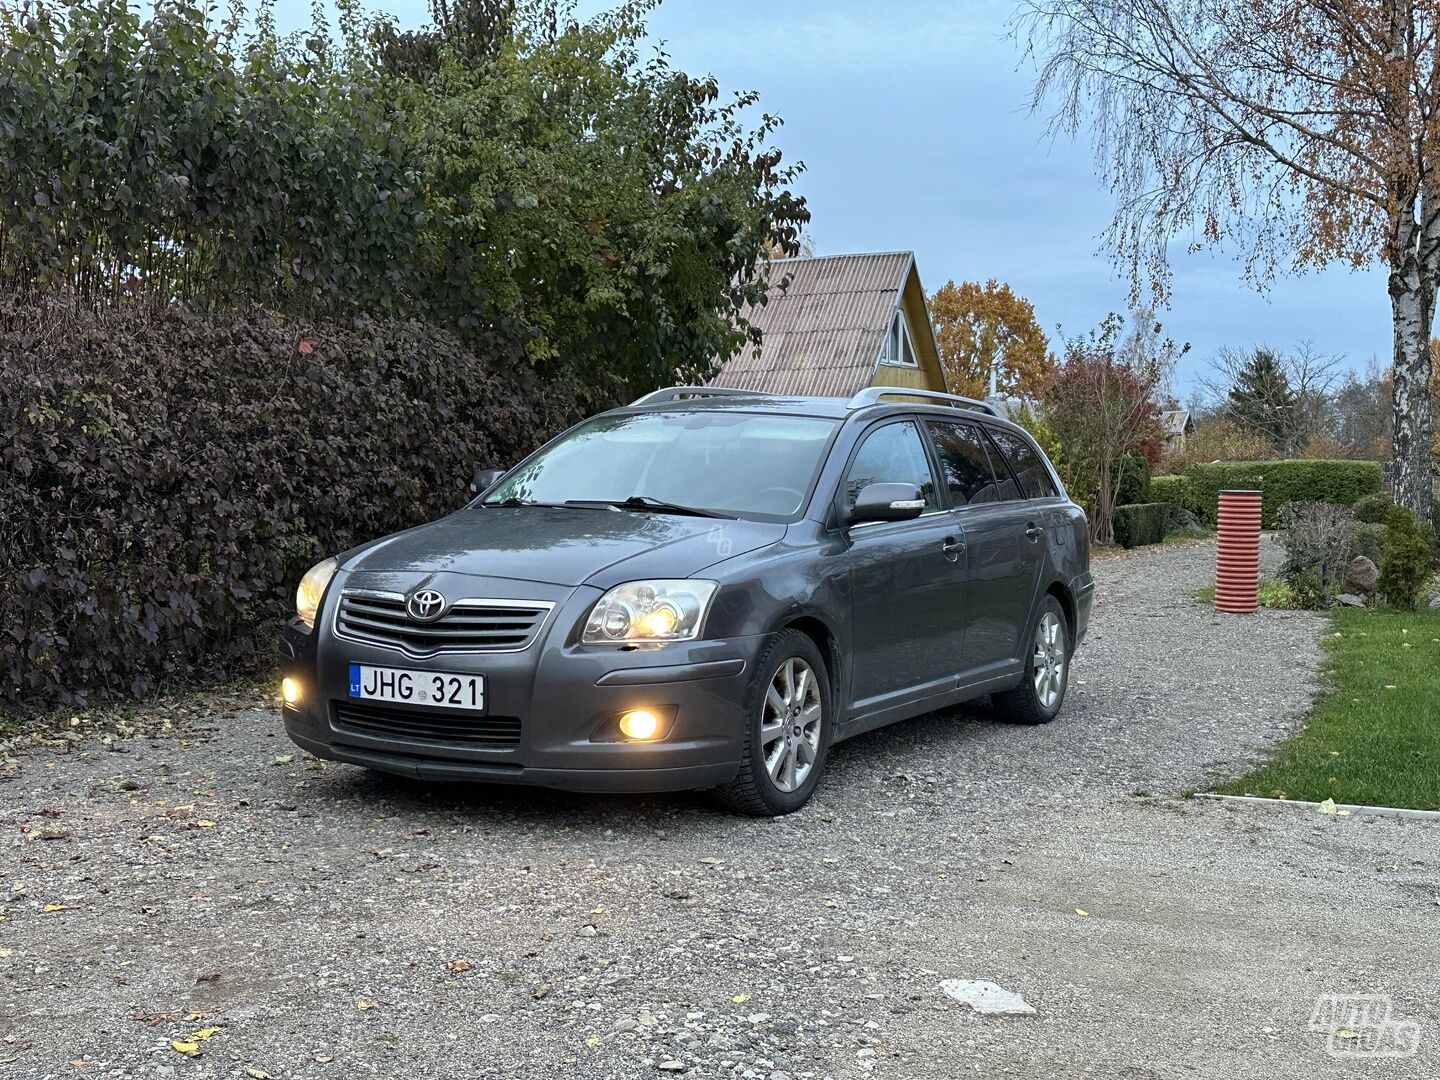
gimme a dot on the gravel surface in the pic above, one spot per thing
(222, 893)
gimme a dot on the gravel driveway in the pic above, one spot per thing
(314, 921)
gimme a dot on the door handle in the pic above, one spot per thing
(1034, 532)
(952, 547)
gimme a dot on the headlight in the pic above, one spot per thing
(649, 611)
(312, 588)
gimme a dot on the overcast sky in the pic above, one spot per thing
(912, 119)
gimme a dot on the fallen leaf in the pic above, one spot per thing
(1082, 911)
(256, 1074)
(323, 1058)
(204, 1033)
(284, 759)
(55, 907)
(363, 1005)
(203, 823)
(740, 999)
(458, 965)
(1326, 807)
(592, 1040)
(6, 952)
(597, 911)
(184, 1047)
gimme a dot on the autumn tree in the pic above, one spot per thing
(1100, 402)
(1295, 133)
(978, 327)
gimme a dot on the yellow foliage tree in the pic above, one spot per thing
(978, 326)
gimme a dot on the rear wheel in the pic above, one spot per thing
(787, 729)
(1047, 670)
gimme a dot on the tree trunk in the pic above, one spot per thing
(1413, 311)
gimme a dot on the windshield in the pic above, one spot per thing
(744, 464)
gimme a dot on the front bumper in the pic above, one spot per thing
(562, 695)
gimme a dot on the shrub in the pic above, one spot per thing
(1142, 523)
(165, 481)
(1283, 482)
(1405, 563)
(1171, 489)
(1369, 541)
(1132, 480)
(1319, 542)
(1372, 509)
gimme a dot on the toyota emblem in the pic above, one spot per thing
(425, 605)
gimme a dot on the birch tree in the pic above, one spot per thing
(1296, 133)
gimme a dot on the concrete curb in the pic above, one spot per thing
(1355, 811)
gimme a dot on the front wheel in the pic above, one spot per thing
(1047, 670)
(787, 729)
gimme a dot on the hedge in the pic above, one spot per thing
(1171, 489)
(1142, 523)
(1340, 482)
(164, 481)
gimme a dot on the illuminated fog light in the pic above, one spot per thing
(639, 724)
(289, 690)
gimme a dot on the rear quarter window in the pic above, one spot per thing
(1027, 465)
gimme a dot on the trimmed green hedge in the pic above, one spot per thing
(1339, 482)
(1171, 489)
(1142, 523)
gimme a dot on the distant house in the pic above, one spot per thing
(1175, 424)
(840, 324)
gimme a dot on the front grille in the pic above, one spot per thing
(438, 725)
(469, 625)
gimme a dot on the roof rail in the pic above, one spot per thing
(675, 393)
(871, 395)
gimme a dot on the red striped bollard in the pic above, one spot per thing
(1237, 553)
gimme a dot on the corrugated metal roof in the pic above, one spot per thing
(1175, 421)
(821, 334)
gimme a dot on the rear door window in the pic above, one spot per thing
(965, 463)
(892, 454)
(1028, 466)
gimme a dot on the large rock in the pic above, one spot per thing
(1350, 600)
(1360, 576)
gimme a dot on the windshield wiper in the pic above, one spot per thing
(645, 502)
(512, 501)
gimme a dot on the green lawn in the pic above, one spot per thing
(1374, 737)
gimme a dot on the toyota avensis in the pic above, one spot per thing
(706, 589)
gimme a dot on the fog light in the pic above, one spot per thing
(639, 724)
(289, 690)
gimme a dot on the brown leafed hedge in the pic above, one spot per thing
(165, 479)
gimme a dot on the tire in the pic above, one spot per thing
(1037, 699)
(778, 779)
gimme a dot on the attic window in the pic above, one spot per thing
(898, 349)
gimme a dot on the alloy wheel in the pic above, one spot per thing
(1048, 667)
(791, 725)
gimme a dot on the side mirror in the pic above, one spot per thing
(887, 502)
(485, 479)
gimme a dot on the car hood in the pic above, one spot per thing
(564, 545)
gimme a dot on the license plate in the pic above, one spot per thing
(406, 686)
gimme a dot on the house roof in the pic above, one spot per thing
(1175, 422)
(823, 325)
